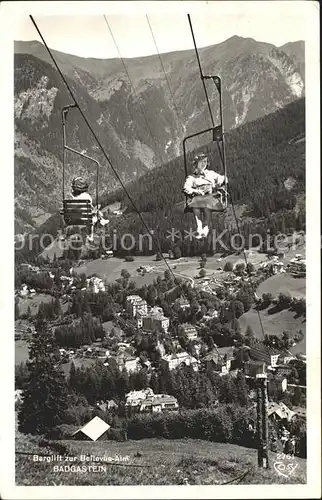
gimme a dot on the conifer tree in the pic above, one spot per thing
(46, 393)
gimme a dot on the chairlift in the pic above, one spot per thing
(76, 212)
(218, 137)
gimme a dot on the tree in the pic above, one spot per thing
(235, 325)
(167, 275)
(267, 299)
(125, 274)
(241, 389)
(176, 252)
(250, 268)
(46, 393)
(202, 273)
(239, 268)
(246, 297)
(286, 340)
(249, 335)
(284, 300)
(21, 376)
(17, 312)
(237, 308)
(228, 267)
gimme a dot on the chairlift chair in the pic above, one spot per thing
(76, 212)
(218, 137)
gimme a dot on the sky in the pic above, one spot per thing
(86, 33)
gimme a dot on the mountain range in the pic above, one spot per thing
(140, 109)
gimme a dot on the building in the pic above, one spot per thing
(298, 264)
(175, 360)
(283, 369)
(183, 303)
(107, 405)
(95, 429)
(219, 359)
(145, 269)
(107, 255)
(253, 368)
(188, 330)
(95, 284)
(130, 364)
(285, 357)
(266, 354)
(299, 412)
(155, 321)
(139, 319)
(18, 396)
(26, 267)
(147, 401)
(24, 328)
(134, 399)
(118, 213)
(135, 304)
(281, 382)
(159, 403)
(101, 352)
(279, 411)
(212, 313)
(277, 267)
(23, 291)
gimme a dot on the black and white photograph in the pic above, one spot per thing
(163, 250)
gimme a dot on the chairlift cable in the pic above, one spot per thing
(105, 154)
(133, 89)
(201, 74)
(165, 74)
(223, 161)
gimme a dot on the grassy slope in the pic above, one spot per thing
(284, 320)
(162, 462)
(272, 323)
(283, 283)
(33, 302)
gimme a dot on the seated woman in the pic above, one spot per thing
(201, 186)
(80, 192)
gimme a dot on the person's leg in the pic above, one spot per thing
(197, 214)
(207, 221)
(94, 222)
(101, 219)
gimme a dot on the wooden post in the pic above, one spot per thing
(262, 420)
(259, 424)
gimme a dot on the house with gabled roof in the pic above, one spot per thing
(265, 354)
(179, 358)
(279, 411)
(158, 403)
(219, 359)
(95, 429)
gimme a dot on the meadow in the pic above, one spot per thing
(150, 462)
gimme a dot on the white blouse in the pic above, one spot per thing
(82, 196)
(206, 182)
